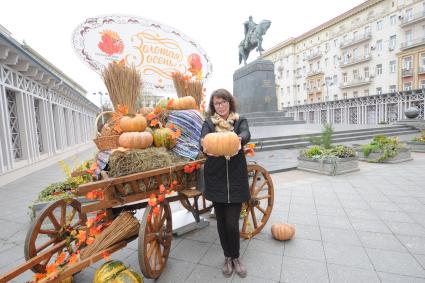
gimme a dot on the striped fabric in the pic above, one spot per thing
(190, 124)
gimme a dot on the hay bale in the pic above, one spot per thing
(141, 160)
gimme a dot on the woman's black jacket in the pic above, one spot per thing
(226, 181)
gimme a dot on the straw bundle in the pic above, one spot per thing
(123, 84)
(186, 87)
(141, 160)
(123, 227)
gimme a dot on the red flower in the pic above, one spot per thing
(156, 211)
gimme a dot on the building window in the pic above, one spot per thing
(326, 62)
(355, 74)
(355, 94)
(344, 77)
(379, 90)
(409, 37)
(356, 53)
(304, 70)
(287, 73)
(379, 69)
(392, 66)
(335, 42)
(409, 14)
(392, 88)
(423, 31)
(282, 105)
(14, 124)
(393, 42)
(335, 60)
(366, 50)
(355, 35)
(346, 57)
(407, 86)
(407, 62)
(366, 72)
(379, 25)
(281, 91)
(366, 92)
(422, 67)
(335, 79)
(38, 124)
(288, 90)
(304, 86)
(393, 19)
(422, 84)
(367, 30)
(326, 47)
(335, 96)
(379, 45)
(344, 95)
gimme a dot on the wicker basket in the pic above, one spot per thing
(106, 142)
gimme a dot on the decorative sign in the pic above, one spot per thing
(155, 49)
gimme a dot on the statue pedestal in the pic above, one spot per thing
(416, 123)
(254, 87)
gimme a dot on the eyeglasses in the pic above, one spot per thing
(222, 103)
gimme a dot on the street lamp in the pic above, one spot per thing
(101, 105)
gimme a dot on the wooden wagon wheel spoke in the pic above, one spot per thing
(254, 222)
(71, 216)
(260, 209)
(46, 244)
(54, 221)
(154, 250)
(48, 232)
(63, 214)
(254, 219)
(56, 233)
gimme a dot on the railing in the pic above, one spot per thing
(354, 61)
(412, 43)
(314, 72)
(406, 21)
(407, 72)
(355, 82)
(355, 40)
(313, 56)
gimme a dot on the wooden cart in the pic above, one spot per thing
(47, 235)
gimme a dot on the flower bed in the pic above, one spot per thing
(333, 161)
(383, 149)
(418, 143)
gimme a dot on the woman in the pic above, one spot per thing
(226, 180)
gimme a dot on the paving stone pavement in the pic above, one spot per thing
(366, 226)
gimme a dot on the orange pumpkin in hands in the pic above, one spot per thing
(221, 144)
(139, 140)
(283, 232)
(133, 123)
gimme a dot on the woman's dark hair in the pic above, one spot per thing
(225, 95)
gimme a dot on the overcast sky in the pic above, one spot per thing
(47, 26)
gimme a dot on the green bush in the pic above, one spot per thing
(325, 139)
(387, 146)
(320, 152)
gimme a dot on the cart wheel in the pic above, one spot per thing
(52, 226)
(258, 209)
(204, 205)
(155, 240)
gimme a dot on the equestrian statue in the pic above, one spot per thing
(253, 38)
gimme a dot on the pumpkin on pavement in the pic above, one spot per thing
(128, 276)
(164, 137)
(283, 232)
(221, 143)
(139, 140)
(108, 271)
(133, 123)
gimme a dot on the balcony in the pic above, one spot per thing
(421, 70)
(313, 90)
(358, 39)
(416, 18)
(412, 43)
(314, 73)
(407, 72)
(353, 61)
(355, 82)
(314, 56)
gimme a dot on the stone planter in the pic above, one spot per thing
(36, 208)
(402, 156)
(416, 146)
(329, 167)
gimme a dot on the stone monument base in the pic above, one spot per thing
(416, 123)
(254, 87)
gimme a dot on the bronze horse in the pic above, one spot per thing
(254, 39)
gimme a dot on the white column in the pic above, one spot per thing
(24, 126)
(6, 158)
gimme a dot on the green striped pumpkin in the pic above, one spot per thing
(128, 276)
(162, 137)
(108, 271)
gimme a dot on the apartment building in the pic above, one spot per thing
(376, 47)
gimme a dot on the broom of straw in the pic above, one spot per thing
(123, 227)
(123, 84)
